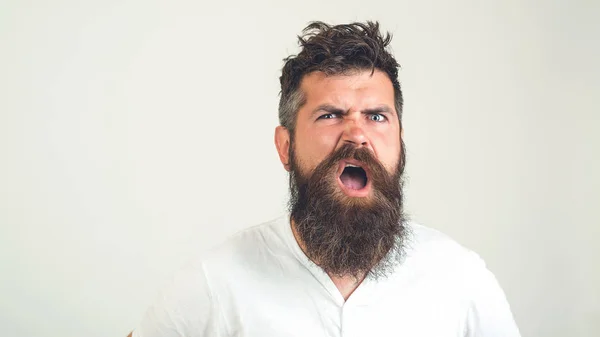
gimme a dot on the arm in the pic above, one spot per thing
(184, 308)
(489, 313)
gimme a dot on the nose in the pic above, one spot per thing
(354, 134)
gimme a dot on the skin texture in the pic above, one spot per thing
(356, 109)
(352, 94)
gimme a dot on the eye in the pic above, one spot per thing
(377, 118)
(328, 116)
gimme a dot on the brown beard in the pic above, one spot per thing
(348, 236)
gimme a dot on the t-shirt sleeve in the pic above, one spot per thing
(184, 308)
(489, 313)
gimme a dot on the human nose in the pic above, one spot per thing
(354, 134)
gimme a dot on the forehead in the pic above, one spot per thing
(358, 89)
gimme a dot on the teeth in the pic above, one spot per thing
(350, 165)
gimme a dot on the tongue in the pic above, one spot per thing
(353, 180)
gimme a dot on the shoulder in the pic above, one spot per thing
(459, 273)
(247, 250)
(258, 240)
(436, 261)
(429, 247)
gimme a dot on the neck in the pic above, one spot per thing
(346, 285)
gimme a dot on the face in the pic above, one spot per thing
(345, 165)
(356, 109)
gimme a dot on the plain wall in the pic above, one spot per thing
(134, 134)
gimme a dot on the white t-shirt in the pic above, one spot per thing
(260, 284)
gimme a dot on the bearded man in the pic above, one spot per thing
(344, 261)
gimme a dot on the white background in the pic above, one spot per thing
(135, 133)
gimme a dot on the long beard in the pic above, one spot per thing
(349, 236)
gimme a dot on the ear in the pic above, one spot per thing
(282, 143)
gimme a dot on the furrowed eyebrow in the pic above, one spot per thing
(329, 109)
(379, 109)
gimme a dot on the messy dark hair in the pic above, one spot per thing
(335, 50)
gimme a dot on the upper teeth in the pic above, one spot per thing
(350, 165)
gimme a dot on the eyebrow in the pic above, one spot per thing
(335, 110)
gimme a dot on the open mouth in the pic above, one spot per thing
(353, 177)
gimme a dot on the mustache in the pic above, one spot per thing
(384, 182)
(349, 151)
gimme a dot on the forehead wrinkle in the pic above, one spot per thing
(349, 92)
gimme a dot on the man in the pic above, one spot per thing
(345, 261)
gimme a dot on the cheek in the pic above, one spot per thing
(388, 150)
(313, 147)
